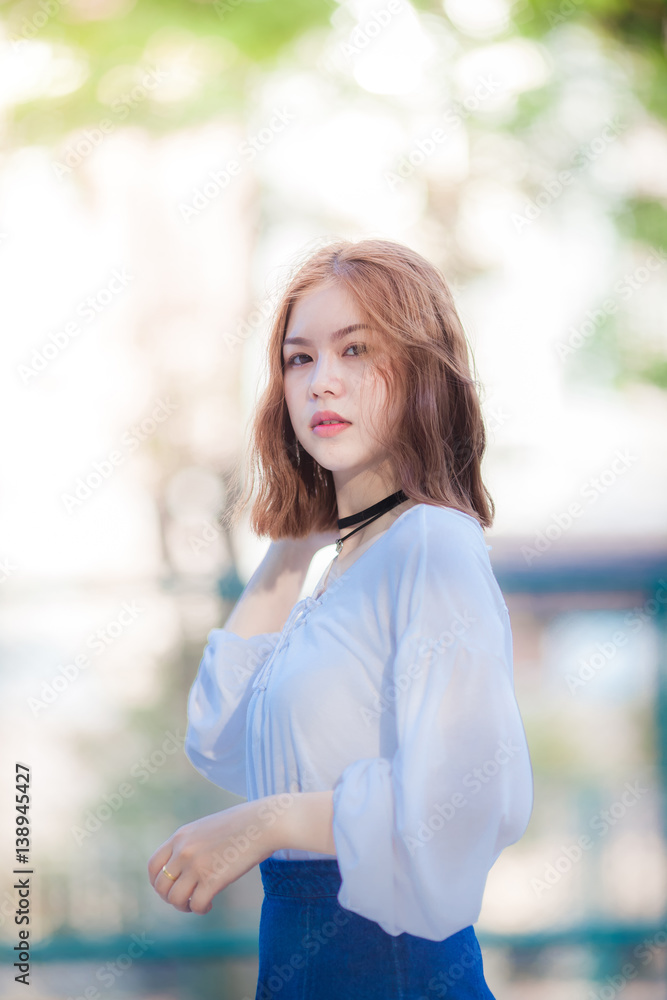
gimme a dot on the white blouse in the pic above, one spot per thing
(393, 687)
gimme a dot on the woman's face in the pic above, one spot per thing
(326, 367)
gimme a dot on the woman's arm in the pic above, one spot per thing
(205, 856)
(307, 823)
(274, 587)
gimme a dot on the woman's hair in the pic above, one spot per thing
(435, 439)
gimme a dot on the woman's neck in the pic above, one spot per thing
(377, 527)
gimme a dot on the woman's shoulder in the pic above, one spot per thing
(442, 546)
(444, 565)
(437, 525)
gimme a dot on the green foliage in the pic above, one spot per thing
(259, 29)
(226, 47)
(644, 220)
(237, 38)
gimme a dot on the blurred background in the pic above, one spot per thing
(162, 166)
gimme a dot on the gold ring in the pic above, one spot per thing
(172, 877)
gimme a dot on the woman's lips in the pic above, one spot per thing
(328, 430)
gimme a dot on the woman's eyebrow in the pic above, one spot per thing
(336, 335)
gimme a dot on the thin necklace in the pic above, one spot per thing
(368, 515)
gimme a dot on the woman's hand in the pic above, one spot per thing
(205, 856)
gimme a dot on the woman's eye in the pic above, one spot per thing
(293, 359)
(292, 362)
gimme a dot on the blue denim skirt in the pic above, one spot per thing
(312, 948)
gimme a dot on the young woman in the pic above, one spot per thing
(372, 726)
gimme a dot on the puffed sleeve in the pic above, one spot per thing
(416, 834)
(218, 702)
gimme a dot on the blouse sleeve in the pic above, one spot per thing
(218, 702)
(416, 834)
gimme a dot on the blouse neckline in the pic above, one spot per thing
(316, 598)
(373, 543)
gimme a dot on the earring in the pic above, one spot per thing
(298, 452)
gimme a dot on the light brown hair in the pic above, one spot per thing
(438, 441)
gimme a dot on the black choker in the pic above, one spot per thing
(377, 510)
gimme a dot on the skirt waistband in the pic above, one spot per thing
(318, 877)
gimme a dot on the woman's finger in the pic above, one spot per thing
(200, 900)
(158, 859)
(180, 892)
(175, 891)
(163, 884)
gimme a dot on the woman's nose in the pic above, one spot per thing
(326, 375)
